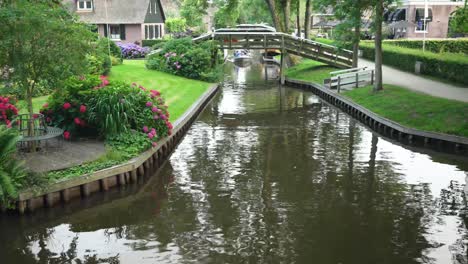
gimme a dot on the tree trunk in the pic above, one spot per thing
(378, 46)
(307, 19)
(30, 125)
(287, 14)
(356, 40)
(298, 18)
(274, 15)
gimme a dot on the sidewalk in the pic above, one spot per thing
(418, 83)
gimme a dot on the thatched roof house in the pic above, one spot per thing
(123, 20)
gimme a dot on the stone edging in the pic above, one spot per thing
(409, 136)
(129, 172)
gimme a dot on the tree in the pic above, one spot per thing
(307, 19)
(378, 19)
(259, 14)
(459, 21)
(41, 41)
(298, 17)
(193, 11)
(350, 13)
(227, 14)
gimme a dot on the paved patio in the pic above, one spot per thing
(56, 157)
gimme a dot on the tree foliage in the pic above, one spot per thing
(459, 21)
(193, 11)
(41, 41)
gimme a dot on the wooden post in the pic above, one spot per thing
(85, 190)
(230, 41)
(357, 79)
(121, 179)
(133, 176)
(104, 185)
(283, 61)
(338, 85)
(372, 77)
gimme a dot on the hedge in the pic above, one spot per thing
(151, 42)
(437, 46)
(449, 66)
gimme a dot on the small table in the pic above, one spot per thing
(41, 132)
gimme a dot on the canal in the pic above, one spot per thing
(266, 174)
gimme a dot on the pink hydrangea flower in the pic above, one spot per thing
(149, 104)
(66, 135)
(150, 135)
(154, 144)
(154, 109)
(82, 108)
(145, 129)
(77, 121)
(156, 117)
(66, 106)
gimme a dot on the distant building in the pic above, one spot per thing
(128, 21)
(407, 19)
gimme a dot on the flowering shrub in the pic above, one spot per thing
(95, 106)
(133, 51)
(183, 57)
(7, 111)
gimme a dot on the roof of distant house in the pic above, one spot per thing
(118, 12)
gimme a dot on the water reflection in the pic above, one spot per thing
(267, 174)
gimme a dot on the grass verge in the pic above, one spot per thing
(310, 70)
(180, 93)
(414, 109)
(38, 102)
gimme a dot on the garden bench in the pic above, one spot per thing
(42, 132)
(350, 78)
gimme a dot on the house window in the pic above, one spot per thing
(114, 32)
(152, 7)
(421, 21)
(153, 31)
(84, 5)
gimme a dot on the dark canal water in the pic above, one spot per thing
(265, 175)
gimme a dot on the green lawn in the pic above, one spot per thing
(310, 70)
(38, 102)
(180, 93)
(413, 109)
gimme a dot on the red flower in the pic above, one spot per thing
(77, 121)
(66, 135)
(45, 105)
(82, 108)
(66, 105)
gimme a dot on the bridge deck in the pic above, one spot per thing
(238, 39)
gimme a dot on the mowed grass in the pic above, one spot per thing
(414, 109)
(38, 102)
(310, 70)
(180, 93)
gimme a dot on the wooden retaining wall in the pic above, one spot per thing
(407, 136)
(128, 173)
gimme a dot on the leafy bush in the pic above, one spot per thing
(151, 42)
(130, 143)
(93, 106)
(449, 66)
(7, 111)
(104, 45)
(67, 108)
(185, 58)
(174, 25)
(437, 46)
(115, 61)
(133, 51)
(11, 173)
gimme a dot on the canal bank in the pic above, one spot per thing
(437, 141)
(128, 173)
(266, 174)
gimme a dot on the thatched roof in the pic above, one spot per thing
(118, 12)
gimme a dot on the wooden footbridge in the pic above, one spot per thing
(240, 38)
